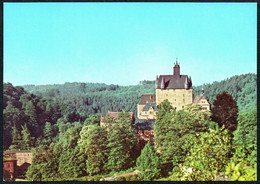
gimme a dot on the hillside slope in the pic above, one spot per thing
(91, 98)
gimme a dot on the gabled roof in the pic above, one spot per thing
(144, 124)
(198, 98)
(173, 82)
(148, 105)
(147, 98)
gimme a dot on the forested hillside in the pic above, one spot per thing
(241, 87)
(62, 123)
(89, 98)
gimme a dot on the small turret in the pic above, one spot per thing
(156, 82)
(162, 83)
(186, 84)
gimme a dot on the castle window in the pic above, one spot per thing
(151, 112)
(183, 107)
(166, 94)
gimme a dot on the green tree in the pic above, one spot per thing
(16, 139)
(91, 120)
(68, 143)
(47, 134)
(121, 139)
(224, 111)
(245, 138)
(26, 138)
(44, 166)
(93, 141)
(148, 163)
(243, 164)
(174, 130)
(12, 117)
(210, 152)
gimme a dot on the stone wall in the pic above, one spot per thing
(177, 97)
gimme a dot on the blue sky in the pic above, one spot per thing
(124, 43)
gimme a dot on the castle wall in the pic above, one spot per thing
(150, 114)
(177, 97)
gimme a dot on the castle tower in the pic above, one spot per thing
(176, 88)
(176, 69)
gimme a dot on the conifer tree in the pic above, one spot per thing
(68, 144)
(16, 139)
(26, 138)
(44, 165)
(93, 141)
(47, 134)
(121, 138)
(148, 163)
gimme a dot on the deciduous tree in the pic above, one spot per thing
(224, 111)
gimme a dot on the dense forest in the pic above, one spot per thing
(62, 123)
(92, 98)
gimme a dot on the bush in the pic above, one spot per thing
(134, 178)
(128, 178)
(241, 171)
(97, 178)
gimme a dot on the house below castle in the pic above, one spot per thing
(202, 101)
(147, 108)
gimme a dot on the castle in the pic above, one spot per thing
(175, 88)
